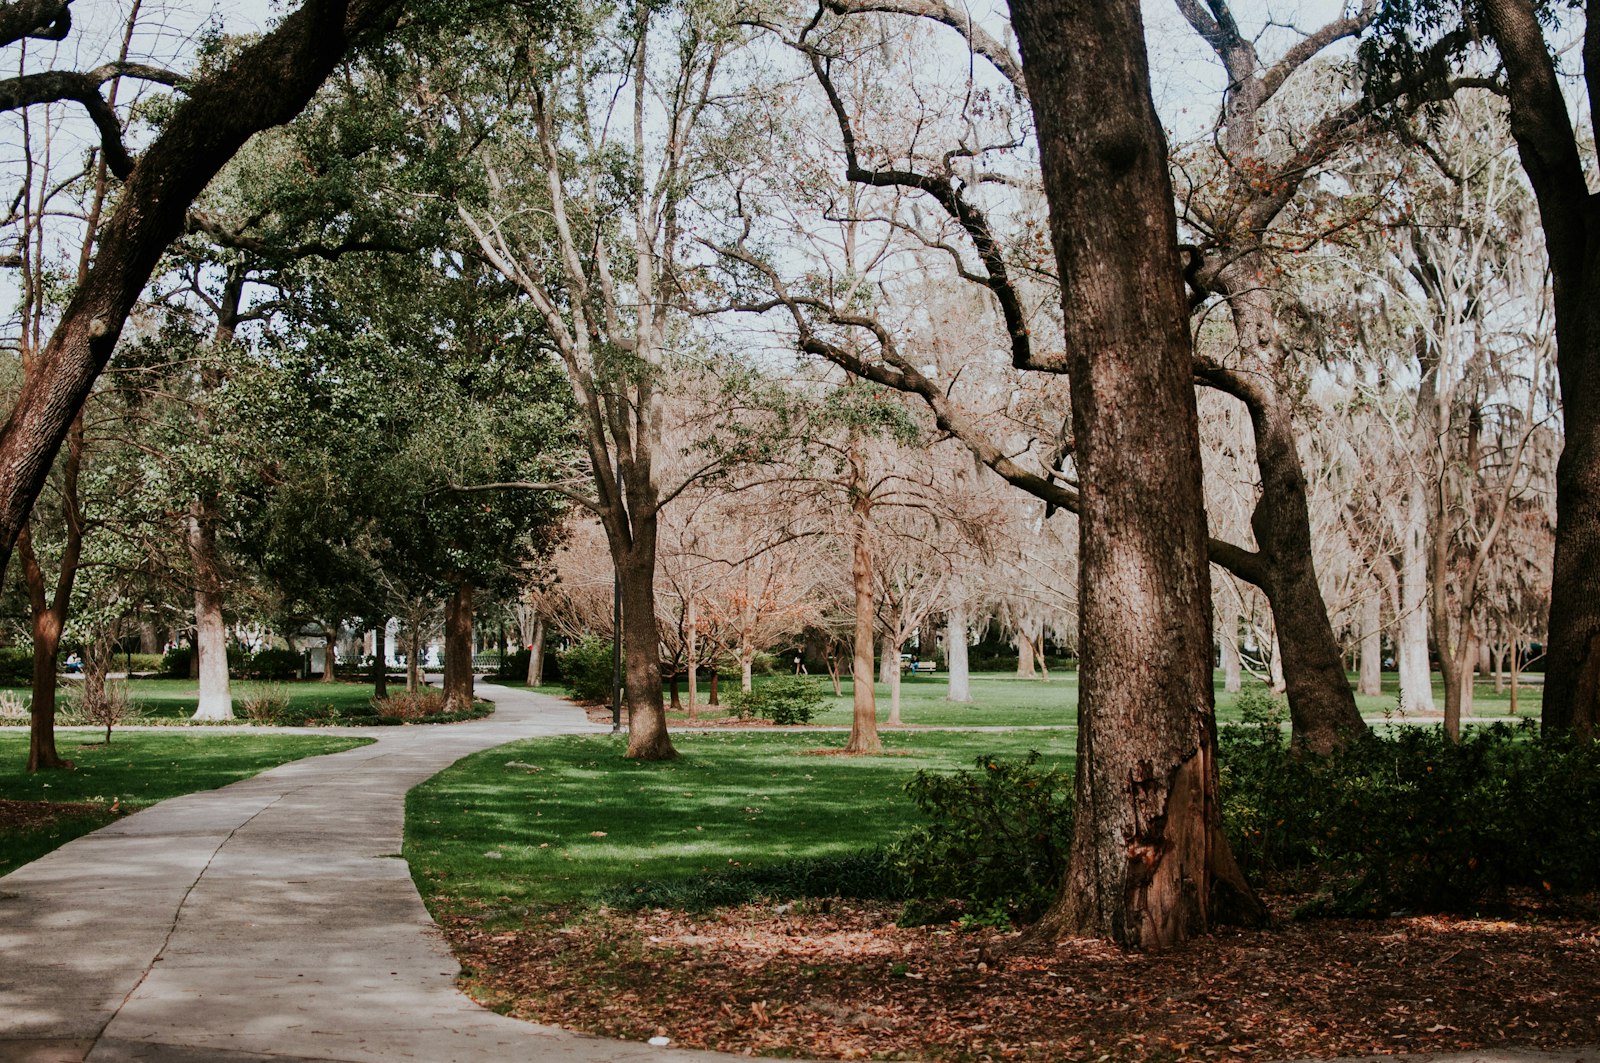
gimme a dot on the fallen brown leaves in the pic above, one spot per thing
(31, 815)
(841, 981)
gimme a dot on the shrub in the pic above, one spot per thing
(13, 708)
(175, 662)
(996, 838)
(409, 706)
(514, 666)
(586, 669)
(785, 700)
(272, 664)
(1409, 820)
(109, 707)
(16, 666)
(137, 662)
(264, 702)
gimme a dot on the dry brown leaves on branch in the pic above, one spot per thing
(840, 981)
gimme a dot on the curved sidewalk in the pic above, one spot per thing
(271, 920)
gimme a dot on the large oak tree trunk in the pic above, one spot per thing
(641, 649)
(1147, 845)
(211, 634)
(535, 675)
(458, 649)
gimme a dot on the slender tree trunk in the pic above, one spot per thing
(711, 695)
(413, 660)
(1228, 642)
(1150, 865)
(894, 686)
(47, 625)
(887, 661)
(330, 657)
(1516, 673)
(833, 674)
(458, 649)
(380, 665)
(864, 720)
(672, 684)
(1371, 675)
(747, 654)
(211, 634)
(955, 654)
(1275, 668)
(536, 654)
(692, 653)
(1411, 645)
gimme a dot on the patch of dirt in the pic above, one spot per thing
(840, 981)
(32, 815)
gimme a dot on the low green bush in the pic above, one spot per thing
(514, 665)
(175, 662)
(586, 669)
(785, 700)
(134, 663)
(1408, 820)
(16, 666)
(272, 665)
(996, 839)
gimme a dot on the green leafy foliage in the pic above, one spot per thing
(995, 838)
(175, 662)
(586, 668)
(16, 666)
(271, 664)
(1408, 820)
(785, 700)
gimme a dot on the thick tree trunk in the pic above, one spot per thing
(641, 648)
(1149, 863)
(211, 634)
(149, 640)
(535, 675)
(1371, 676)
(1025, 656)
(267, 82)
(955, 654)
(864, 720)
(458, 649)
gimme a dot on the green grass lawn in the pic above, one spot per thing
(174, 700)
(1004, 700)
(137, 769)
(555, 820)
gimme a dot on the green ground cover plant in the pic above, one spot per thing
(561, 821)
(48, 809)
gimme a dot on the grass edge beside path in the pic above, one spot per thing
(44, 811)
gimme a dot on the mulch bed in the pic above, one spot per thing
(840, 981)
(32, 815)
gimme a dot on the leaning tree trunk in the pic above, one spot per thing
(458, 649)
(536, 654)
(1147, 843)
(211, 634)
(955, 655)
(264, 84)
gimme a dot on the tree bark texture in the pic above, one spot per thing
(210, 633)
(1542, 128)
(413, 661)
(330, 654)
(1147, 846)
(955, 654)
(1371, 675)
(1411, 643)
(267, 83)
(380, 662)
(1228, 643)
(641, 647)
(536, 654)
(458, 649)
(864, 719)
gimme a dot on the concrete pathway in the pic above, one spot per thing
(272, 920)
